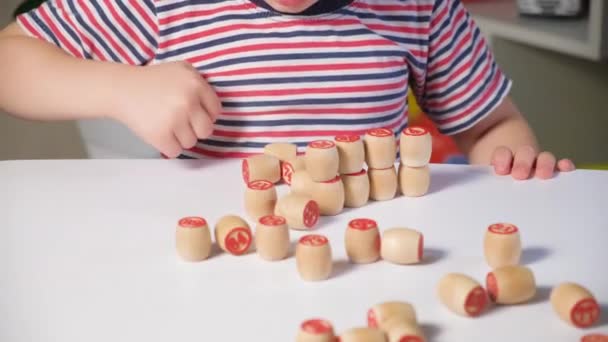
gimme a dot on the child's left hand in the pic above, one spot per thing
(526, 162)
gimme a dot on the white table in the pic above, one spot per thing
(87, 254)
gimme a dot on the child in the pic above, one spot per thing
(223, 78)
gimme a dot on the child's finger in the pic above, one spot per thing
(170, 146)
(210, 101)
(501, 160)
(185, 135)
(201, 124)
(523, 162)
(545, 165)
(566, 165)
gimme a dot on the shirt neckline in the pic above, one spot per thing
(318, 8)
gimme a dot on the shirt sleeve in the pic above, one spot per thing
(462, 82)
(123, 31)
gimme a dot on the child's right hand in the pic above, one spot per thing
(170, 106)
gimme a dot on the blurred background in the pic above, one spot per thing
(555, 51)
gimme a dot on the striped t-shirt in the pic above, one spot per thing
(295, 78)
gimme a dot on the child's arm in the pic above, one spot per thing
(505, 140)
(169, 106)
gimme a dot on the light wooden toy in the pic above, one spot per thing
(381, 314)
(300, 211)
(398, 330)
(314, 257)
(380, 148)
(415, 146)
(362, 241)
(462, 295)
(575, 305)
(402, 246)
(301, 183)
(281, 151)
(261, 167)
(502, 245)
(382, 184)
(511, 285)
(363, 335)
(260, 199)
(329, 196)
(316, 330)
(414, 182)
(291, 167)
(272, 238)
(322, 160)
(233, 235)
(351, 153)
(356, 189)
(193, 239)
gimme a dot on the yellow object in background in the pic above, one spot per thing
(414, 109)
(594, 167)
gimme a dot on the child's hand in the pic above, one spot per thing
(170, 106)
(526, 161)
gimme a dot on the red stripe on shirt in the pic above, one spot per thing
(234, 27)
(490, 92)
(105, 33)
(58, 34)
(287, 46)
(151, 22)
(25, 21)
(203, 13)
(134, 37)
(466, 67)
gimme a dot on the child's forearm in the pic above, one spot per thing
(41, 82)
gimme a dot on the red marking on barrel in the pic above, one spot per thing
(476, 301)
(380, 132)
(492, 286)
(585, 313)
(595, 338)
(333, 180)
(372, 321)
(317, 326)
(410, 338)
(347, 138)
(503, 228)
(311, 214)
(245, 171)
(363, 224)
(287, 172)
(272, 220)
(360, 173)
(192, 222)
(322, 144)
(260, 185)
(314, 240)
(238, 240)
(415, 131)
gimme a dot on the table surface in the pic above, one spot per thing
(87, 253)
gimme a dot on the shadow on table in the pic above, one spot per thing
(196, 164)
(430, 331)
(444, 178)
(432, 255)
(342, 267)
(603, 321)
(543, 293)
(534, 254)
